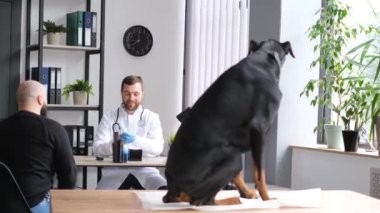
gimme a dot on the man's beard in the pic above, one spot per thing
(43, 111)
(130, 107)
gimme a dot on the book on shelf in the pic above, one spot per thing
(58, 85)
(52, 86)
(81, 28)
(87, 25)
(93, 28)
(74, 25)
(50, 78)
(41, 75)
(55, 85)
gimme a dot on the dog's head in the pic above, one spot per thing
(272, 47)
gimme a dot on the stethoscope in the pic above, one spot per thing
(140, 123)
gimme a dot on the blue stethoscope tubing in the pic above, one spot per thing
(116, 123)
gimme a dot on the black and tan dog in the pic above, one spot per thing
(230, 118)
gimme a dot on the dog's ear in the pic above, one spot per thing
(253, 45)
(287, 48)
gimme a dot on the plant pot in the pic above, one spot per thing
(54, 38)
(351, 140)
(333, 135)
(80, 98)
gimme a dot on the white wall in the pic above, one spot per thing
(296, 118)
(331, 171)
(287, 20)
(161, 69)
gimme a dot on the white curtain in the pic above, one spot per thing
(216, 38)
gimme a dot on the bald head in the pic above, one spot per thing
(31, 96)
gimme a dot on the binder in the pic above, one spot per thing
(82, 146)
(52, 80)
(81, 138)
(74, 34)
(41, 75)
(87, 25)
(93, 28)
(72, 135)
(58, 85)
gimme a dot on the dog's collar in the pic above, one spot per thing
(275, 56)
(277, 59)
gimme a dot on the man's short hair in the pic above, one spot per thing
(131, 80)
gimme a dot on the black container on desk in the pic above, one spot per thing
(135, 154)
(117, 149)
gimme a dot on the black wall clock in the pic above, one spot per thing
(138, 40)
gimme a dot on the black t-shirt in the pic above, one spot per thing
(35, 148)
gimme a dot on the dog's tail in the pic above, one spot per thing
(184, 114)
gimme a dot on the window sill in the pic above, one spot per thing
(323, 148)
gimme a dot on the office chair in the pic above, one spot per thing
(11, 197)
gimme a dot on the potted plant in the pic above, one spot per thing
(53, 32)
(329, 90)
(81, 90)
(356, 111)
(369, 63)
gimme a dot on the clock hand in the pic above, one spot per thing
(134, 41)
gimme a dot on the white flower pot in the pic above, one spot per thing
(333, 135)
(54, 38)
(80, 98)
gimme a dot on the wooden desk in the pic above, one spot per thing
(90, 161)
(81, 160)
(109, 201)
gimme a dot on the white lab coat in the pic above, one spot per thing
(146, 126)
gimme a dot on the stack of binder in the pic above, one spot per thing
(50, 78)
(81, 28)
(81, 138)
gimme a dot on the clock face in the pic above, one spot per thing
(138, 40)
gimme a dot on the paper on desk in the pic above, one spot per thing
(152, 200)
(307, 198)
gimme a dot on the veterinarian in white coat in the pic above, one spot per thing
(143, 126)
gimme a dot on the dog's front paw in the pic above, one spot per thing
(248, 193)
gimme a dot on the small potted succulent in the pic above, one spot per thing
(81, 89)
(53, 32)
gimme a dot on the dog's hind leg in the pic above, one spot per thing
(244, 190)
(261, 183)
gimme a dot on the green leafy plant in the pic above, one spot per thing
(357, 110)
(170, 139)
(79, 85)
(367, 59)
(51, 27)
(332, 34)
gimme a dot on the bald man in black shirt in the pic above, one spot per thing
(35, 148)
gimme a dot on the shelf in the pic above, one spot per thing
(64, 47)
(70, 107)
